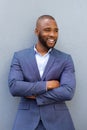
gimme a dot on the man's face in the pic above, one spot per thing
(47, 33)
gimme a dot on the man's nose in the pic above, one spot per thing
(52, 33)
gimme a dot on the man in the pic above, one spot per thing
(44, 79)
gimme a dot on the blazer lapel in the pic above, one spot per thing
(34, 64)
(49, 64)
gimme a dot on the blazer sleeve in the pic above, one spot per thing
(67, 86)
(18, 86)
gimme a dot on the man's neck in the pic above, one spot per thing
(42, 50)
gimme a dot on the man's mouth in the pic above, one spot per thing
(51, 41)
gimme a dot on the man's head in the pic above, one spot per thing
(46, 31)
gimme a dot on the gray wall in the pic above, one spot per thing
(17, 21)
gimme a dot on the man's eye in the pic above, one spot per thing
(47, 30)
(56, 30)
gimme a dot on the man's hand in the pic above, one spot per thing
(52, 84)
(31, 97)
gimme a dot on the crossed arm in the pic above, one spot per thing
(49, 86)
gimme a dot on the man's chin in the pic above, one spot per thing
(50, 47)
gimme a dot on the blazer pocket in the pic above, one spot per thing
(60, 106)
(24, 106)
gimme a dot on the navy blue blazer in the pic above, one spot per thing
(49, 106)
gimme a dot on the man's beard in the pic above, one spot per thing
(43, 42)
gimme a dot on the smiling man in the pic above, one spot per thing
(47, 32)
(44, 78)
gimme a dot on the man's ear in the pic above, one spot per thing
(36, 31)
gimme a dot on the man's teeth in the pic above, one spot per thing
(51, 40)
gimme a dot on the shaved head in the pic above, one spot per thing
(42, 18)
